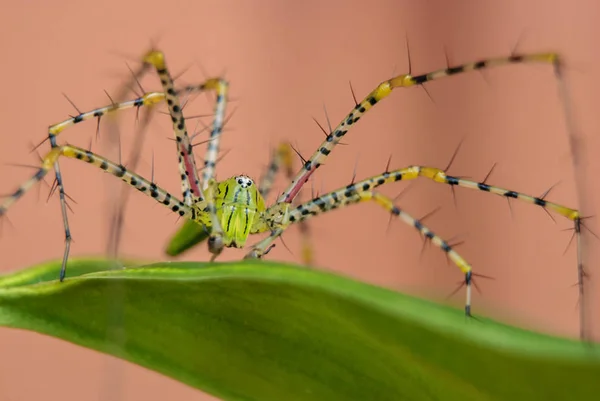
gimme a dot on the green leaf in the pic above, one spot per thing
(189, 235)
(263, 331)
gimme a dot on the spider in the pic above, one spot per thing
(232, 210)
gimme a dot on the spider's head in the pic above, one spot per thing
(238, 203)
(243, 181)
(240, 190)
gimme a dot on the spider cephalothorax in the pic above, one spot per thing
(233, 209)
(240, 210)
(240, 207)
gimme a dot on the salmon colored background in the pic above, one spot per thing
(285, 60)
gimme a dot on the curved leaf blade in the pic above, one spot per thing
(264, 331)
(187, 236)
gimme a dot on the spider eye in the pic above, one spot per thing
(249, 183)
(240, 181)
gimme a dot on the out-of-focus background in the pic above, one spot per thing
(285, 61)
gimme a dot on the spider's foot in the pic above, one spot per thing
(253, 254)
(215, 245)
(155, 58)
(257, 253)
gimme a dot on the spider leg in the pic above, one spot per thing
(135, 180)
(117, 218)
(148, 99)
(283, 157)
(440, 176)
(221, 87)
(347, 196)
(382, 91)
(187, 164)
(573, 215)
(280, 157)
(118, 205)
(190, 181)
(193, 232)
(353, 193)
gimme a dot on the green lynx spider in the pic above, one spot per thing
(233, 209)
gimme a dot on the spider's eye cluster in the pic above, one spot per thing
(245, 182)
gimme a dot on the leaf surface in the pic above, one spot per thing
(256, 330)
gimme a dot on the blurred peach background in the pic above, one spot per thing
(285, 60)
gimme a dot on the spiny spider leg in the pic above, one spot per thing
(190, 187)
(282, 157)
(353, 193)
(148, 99)
(345, 196)
(440, 176)
(118, 205)
(187, 164)
(135, 180)
(407, 80)
(382, 91)
(220, 86)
